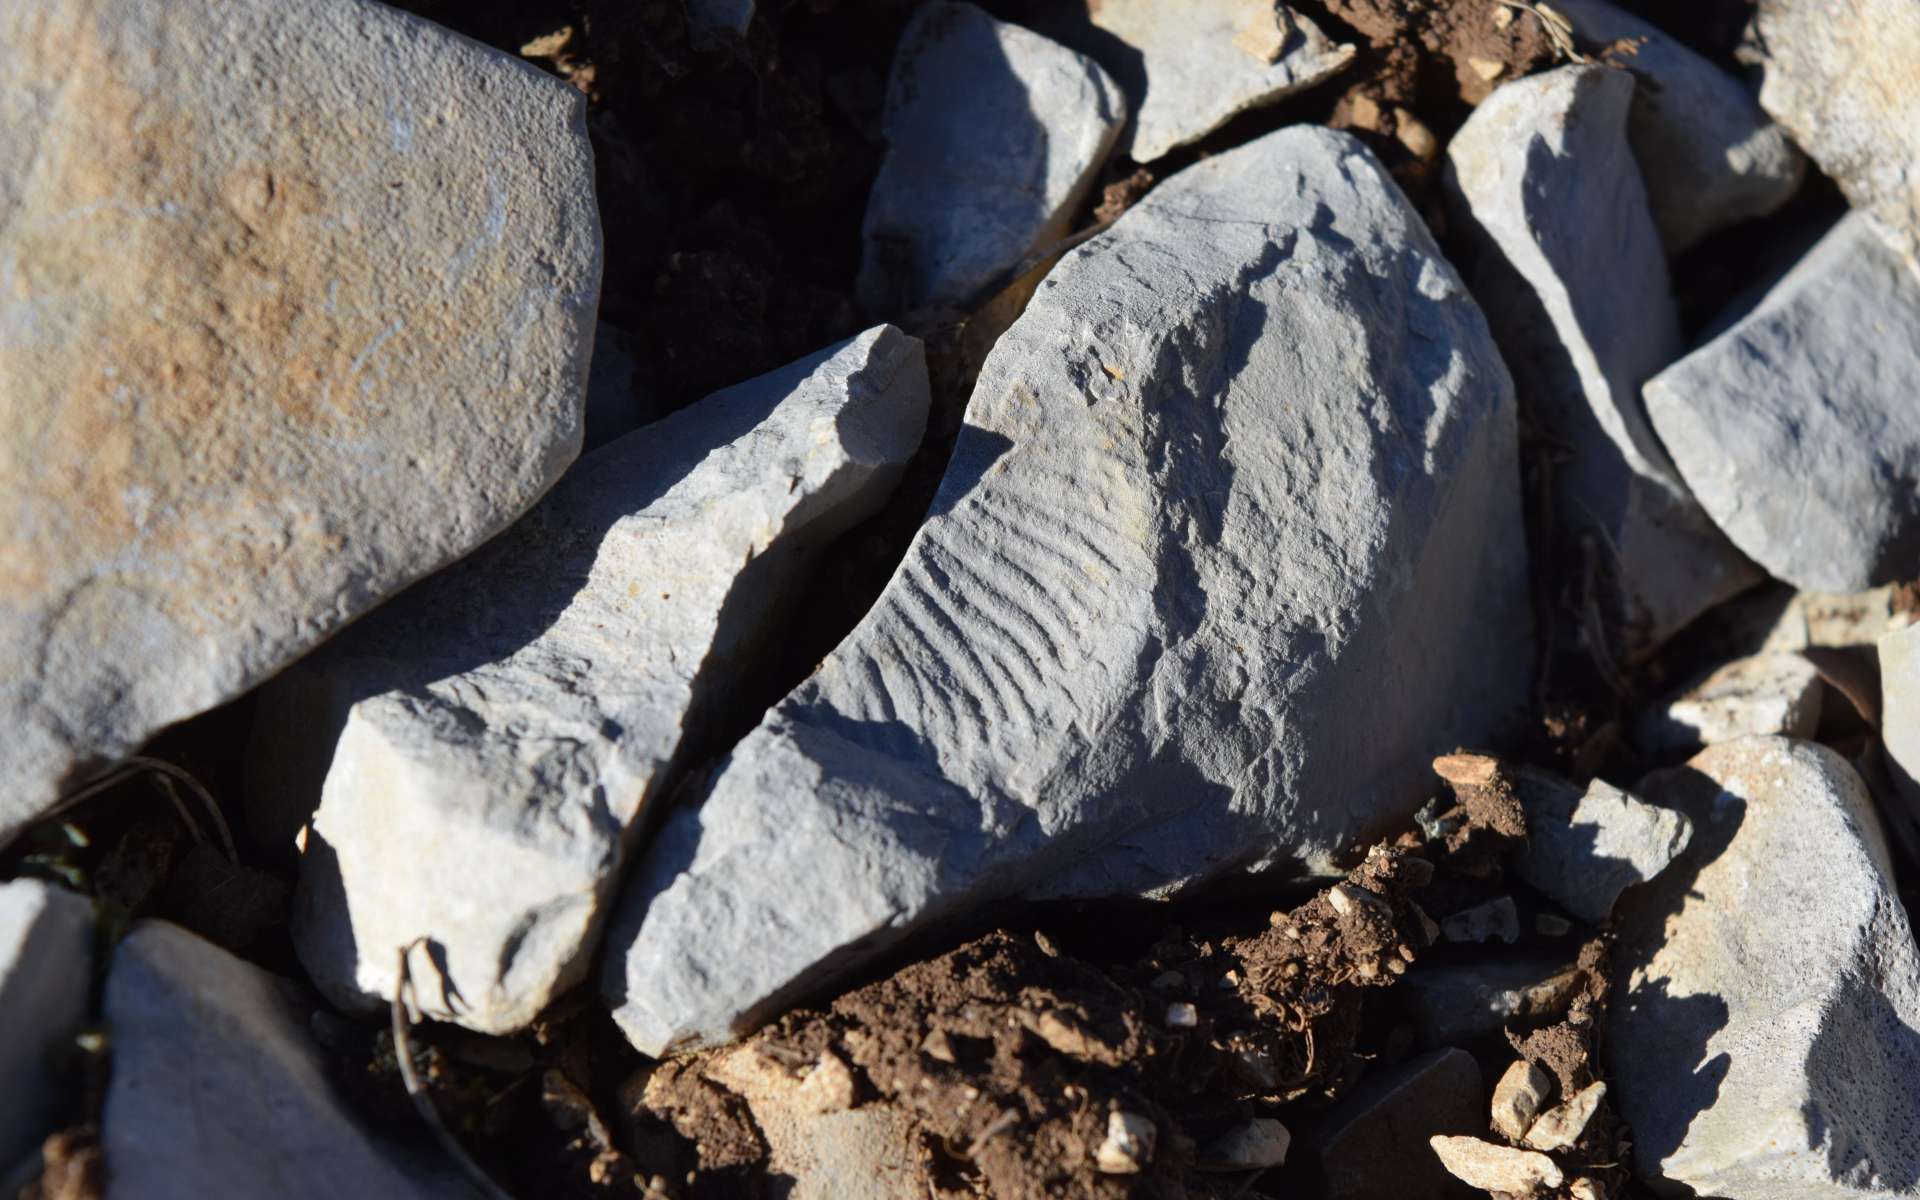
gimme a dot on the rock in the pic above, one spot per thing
(46, 969)
(1455, 1004)
(1560, 1127)
(1128, 1147)
(1544, 190)
(1585, 848)
(1767, 989)
(851, 1153)
(1496, 920)
(712, 18)
(1759, 695)
(1361, 1146)
(1844, 619)
(298, 308)
(1518, 1098)
(1795, 427)
(1900, 710)
(617, 402)
(512, 719)
(1056, 693)
(1502, 1170)
(1708, 153)
(1252, 1145)
(1201, 63)
(994, 137)
(216, 1090)
(1842, 82)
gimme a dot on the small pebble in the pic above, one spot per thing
(1253, 1145)
(1128, 1146)
(1561, 1127)
(1518, 1098)
(1182, 1015)
(1488, 69)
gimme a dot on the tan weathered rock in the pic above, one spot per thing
(1501, 1169)
(1758, 695)
(1560, 1127)
(1129, 1144)
(1518, 1098)
(296, 303)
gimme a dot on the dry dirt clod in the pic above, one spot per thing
(1129, 1144)
(1518, 1098)
(830, 1087)
(1561, 1127)
(1499, 1169)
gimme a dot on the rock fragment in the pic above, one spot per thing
(1767, 989)
(1128, 511)
(1252, 1145)
(1585, 847)
(1796, 428)
(1361, 1147)
(1900, 710)
(1502, 1170)
(841, 1153)
(1574, 280)
(1455, 1004)
(1755, 696)
(1561, 1126)
(1206, 61)
(1496, 920)
(994, 136)
(1518, 1098)
(46, 968)
(1840, 620)
(1709, 154)
(266, 362)
(512, 719)
(1129, 1144)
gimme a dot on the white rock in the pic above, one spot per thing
(1561, 1126)
(513, 718)
(1502, 1170)
(1586, 847)
(1252, 1145)
(1767, 989)
(1841, 79)
(1150, 593)
(1496, 920)
(1207, 61)
(46, 970)
(217, 1091)
(1129, 1144)
(1707, 151)
(1574, 280)
(1899, 655)
(1759, 695)
(1518, 1098)
(1796, 428)
(863, 1153)
(296, 304)
(994, 137)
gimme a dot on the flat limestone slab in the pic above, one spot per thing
(1232, 523)
(46, 971)
(1767, 990)
(512, 719)
(1762, 694)
(1545, 191)
(994, 137)
(296, 303)
(1797, 427)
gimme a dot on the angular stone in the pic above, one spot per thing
(512, 718)
(1841, 620)
(1496, 920)
(1252, 1145)
(1518, 1098)
(217, 1090)
(295, 307)
(994, 137)
(1841, 78)
(1899, 654)
(1574, 280)
(1362, 1148)
(1767, 989)
(1585, 847)
(1563, 1125)
(1796, 427)
(1708, 153)
(1756, 696)
(1502, 1170)
(1201, 63)
(46, 970)
(1150, 594)
(1455, 1004)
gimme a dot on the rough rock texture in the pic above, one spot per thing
(1755, 696)
(1841, 78)
(1585, 847)
(46, 969)
(1203, 62)
(1796, 427)
(295, 306)
(1844, 619)
(1367, 1147)
(994, 137)
(1768, 990)
(1570, 267)
(1900, 710)
(1501, 1170)
(1709, 155)
(513, 717)
(1232, 522)
(1452, 1005)
(216, 1090)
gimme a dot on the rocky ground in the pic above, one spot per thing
(866, 598)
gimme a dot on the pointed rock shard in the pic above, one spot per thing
(218, 1091)
(46, 971)
(512, 717)
(295, 307)
(1586, 846)
(1574, 280)
(1797, 427)
(1207, 61)
(994, 136)
(1708, 153)
(1233, 520)
(1767, 988)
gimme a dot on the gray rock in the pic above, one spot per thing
(1362, 1150)
(994, 137)
(217, 1090)
(1755, 696)
(1205, 62)
(513, 718)
(617, 399)
(1796, 427)
(298, 306)
(1585, 847)
(1458, 1003)
(46, 969)
(1570, 268)
(1767, 990)
(1899, 654)
(1232, 522)
(1841, 79)
(712, 18)
(1708, 153)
